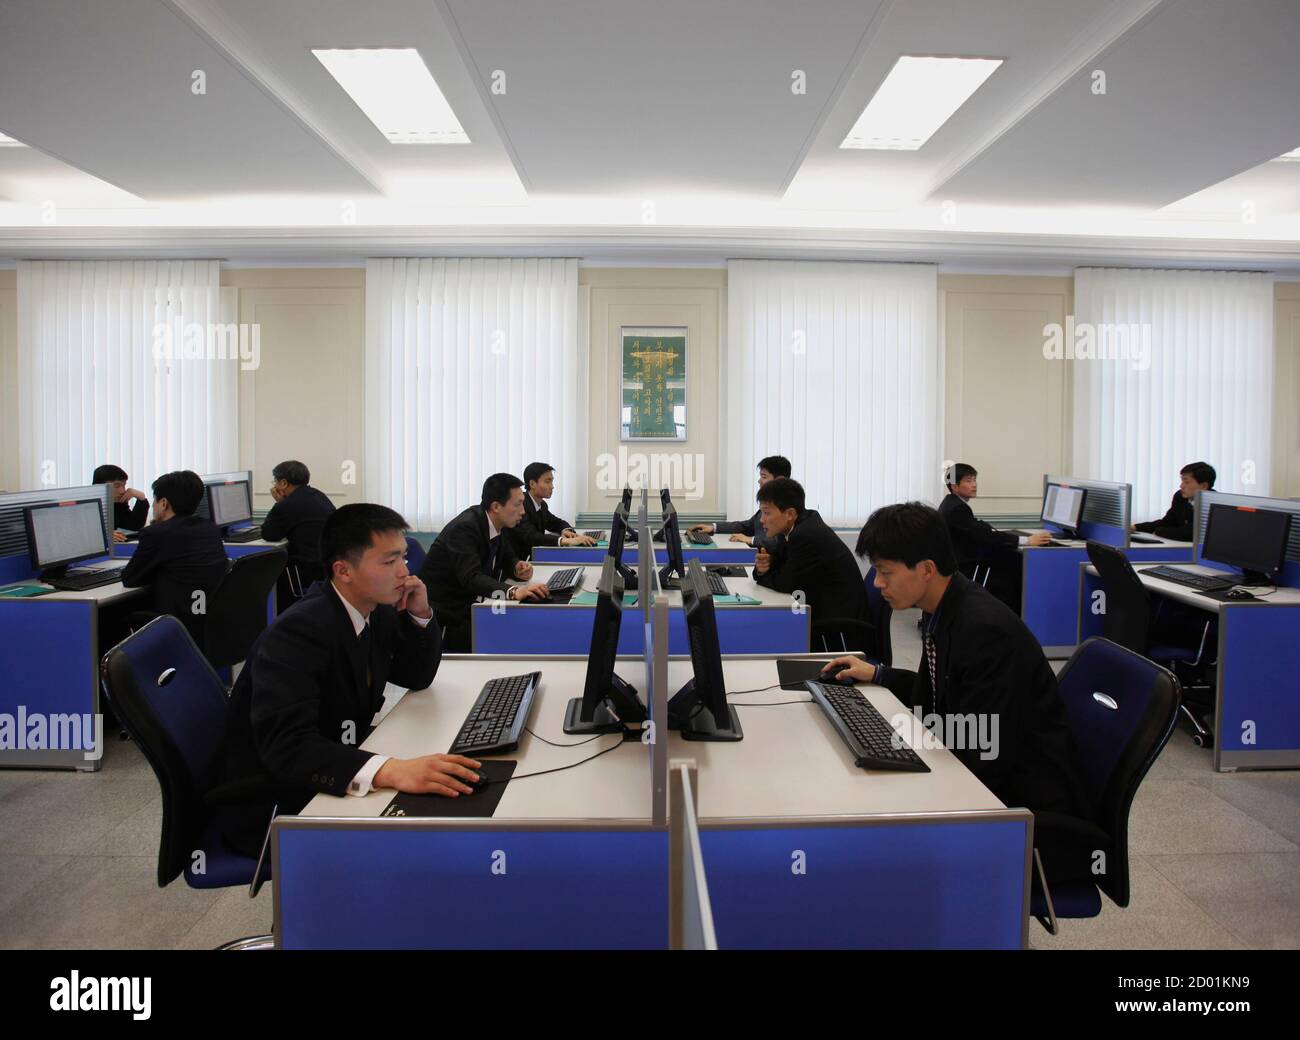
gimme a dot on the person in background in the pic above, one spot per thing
(539, 525)
(299, 515)
(1176, 524)
(750, 531)
(130, 507)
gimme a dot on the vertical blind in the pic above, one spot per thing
(471, 369)
(121, 361)
(836, 366)
(1180, 370)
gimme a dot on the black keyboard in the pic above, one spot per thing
(716, 585)
(597, 535)
(247, 534)
(1144, 539)
(1191, 580)
(83, 580)
(698, 538)
(566, 580)
(498, 717)
(875, 744)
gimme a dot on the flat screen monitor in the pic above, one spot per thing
(608, 704)
(60, 533)
(1253, 540)
(1063, 506)
(699, 710)
(229, 503)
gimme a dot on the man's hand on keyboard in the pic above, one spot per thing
(537, 590)
(742, 538)
(850, 668)
(428, 774)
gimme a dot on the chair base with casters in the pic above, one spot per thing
(172, 703)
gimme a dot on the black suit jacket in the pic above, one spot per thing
(753, 527)
(538, 527)
(988, 663)
(299, 517)
(130, 516)
(1176, 523)
(178, 557)
(303, 693)
(972, 538)
(456, 569)
(817, 561)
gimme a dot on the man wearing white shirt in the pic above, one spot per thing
(314, 680)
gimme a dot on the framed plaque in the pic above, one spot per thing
(653, 404)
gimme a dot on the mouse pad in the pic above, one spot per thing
(481, 803)
(792, 671)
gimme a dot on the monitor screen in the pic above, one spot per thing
(1248, 538)
(1063, 505)
(64, 532)
(673, 543)
(229, 503)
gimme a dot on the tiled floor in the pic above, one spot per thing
(1215, 860)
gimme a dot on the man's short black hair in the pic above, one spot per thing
(777, 465)
(1202, 472)
(783, 493)
(350, 530)
(108, 473)
(183, 489)
(960, 472)
(293, 471)
(908, 532)
(535, 471)
(497, 489)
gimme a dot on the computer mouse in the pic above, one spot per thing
(479, 784)
(1240, 594)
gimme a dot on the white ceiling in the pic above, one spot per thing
(679, 114)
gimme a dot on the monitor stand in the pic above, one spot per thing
(622, 696)
(628, 575)
(54, 573)
(670, 578)
(689, 716)
(1254, 579)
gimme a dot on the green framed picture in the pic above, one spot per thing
(653, 405)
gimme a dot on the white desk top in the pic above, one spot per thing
(591, 581)
(791, 763)
(1181, 593)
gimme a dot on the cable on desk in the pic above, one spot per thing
(561, 769)
(761, 689)
(576, 743)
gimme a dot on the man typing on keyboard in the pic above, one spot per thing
(315, 678)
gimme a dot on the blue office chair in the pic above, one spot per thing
(166, 695)
(415, 555)
(1121, 709)
(870, 635)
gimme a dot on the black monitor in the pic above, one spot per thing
(627, 499)
(619, 533)
(60, 533)
(608, 703)
(700, 709)
(1063, 506)
(676, 565)
(1251, 539)
(229, 503)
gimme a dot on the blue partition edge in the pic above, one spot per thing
(47, 660)
(1259, 693)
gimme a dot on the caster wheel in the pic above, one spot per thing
(1198, 739)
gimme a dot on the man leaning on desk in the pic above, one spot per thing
(130, 507)
(472, 557)
(1176, 524)
(539, 526)
(751, 531)
(315, 678)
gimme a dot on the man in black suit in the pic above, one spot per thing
(977, 542)
(179, 555)
(539, 525)
(130, 507)
(978, 660)
(750, 531)
(1177, 521)
(472, 557)
(315, 679)
(815, 562)
(299, 514)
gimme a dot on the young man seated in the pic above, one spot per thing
(315, 679)
(130, 507)
(1176, 524)
(180, 555)
(977, 659)
(815, 561)
(539, 526)
(299, 515)
(472, 557)
(750, 531)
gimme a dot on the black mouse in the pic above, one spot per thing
(479, 784)
(1240, 594)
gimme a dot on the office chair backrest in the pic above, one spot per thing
(237, 608)
(415, 555)
(1127, 617)
(1121, 709)
(880, 614)
(171, 702)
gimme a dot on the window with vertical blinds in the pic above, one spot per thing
(835, 365)
(1180, 369)
(471, 369)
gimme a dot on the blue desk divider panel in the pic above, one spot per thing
(740, 555)
(431, 884)
(879, 884)
(1259, 676)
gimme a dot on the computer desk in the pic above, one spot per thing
(1257, 678)
(721, 552)
(50, 653)
(773, 625)
(802, 849)
(1049, 603)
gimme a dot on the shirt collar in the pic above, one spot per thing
(358, 619)
(492, 528)
(536, 504)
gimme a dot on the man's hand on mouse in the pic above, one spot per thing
(537, 590)
(448, 775)
(850, 668)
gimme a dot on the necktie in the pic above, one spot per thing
(493, 546)
(927, 641)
